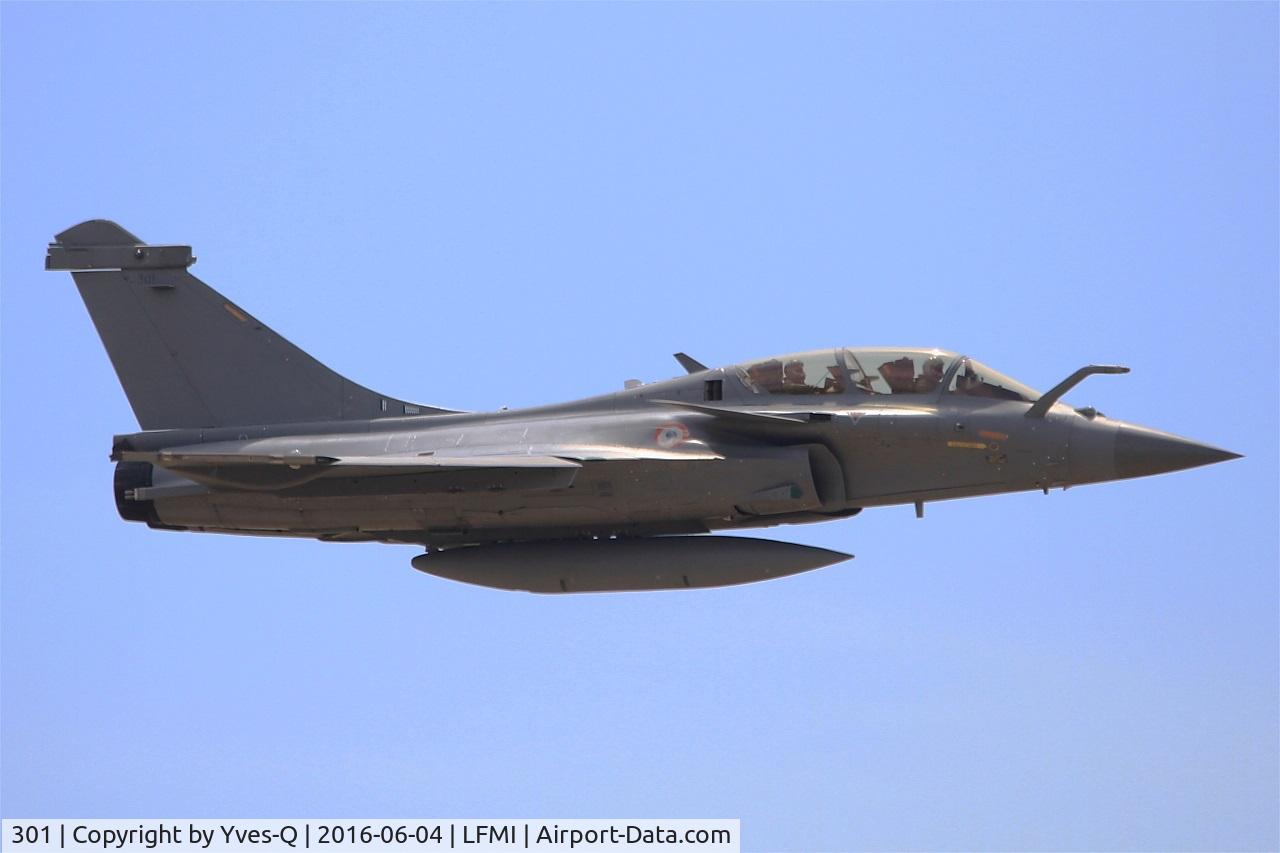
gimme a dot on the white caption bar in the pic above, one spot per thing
(335, 836)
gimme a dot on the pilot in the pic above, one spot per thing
(793, 379)
(930, 376)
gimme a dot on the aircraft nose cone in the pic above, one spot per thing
(1141, 452)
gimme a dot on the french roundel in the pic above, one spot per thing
(671, 435)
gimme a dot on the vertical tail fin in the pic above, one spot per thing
(187, 356)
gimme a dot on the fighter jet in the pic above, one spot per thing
(242, 432)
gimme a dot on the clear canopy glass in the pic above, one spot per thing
(881, 372)
(890, 371)
(817, 372)
(975, 379)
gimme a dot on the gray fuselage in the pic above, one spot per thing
(815, 459)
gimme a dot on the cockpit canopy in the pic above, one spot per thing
(880, 372)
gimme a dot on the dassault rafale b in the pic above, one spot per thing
(245, 433)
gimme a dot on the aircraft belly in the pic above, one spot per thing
(602, 495)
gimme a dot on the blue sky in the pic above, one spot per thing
(488, 205)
